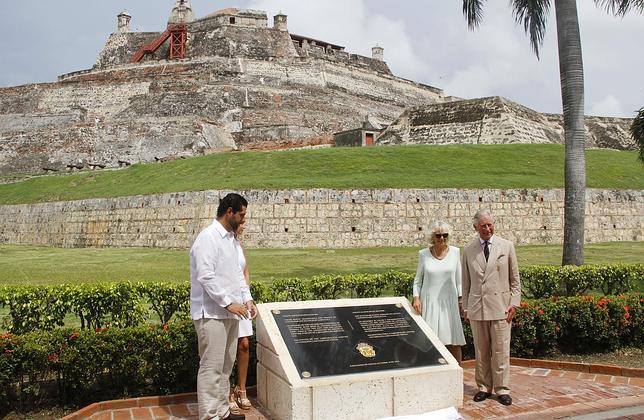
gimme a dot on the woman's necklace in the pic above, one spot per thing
(439, 254)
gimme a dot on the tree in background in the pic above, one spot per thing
(637, 131)
(532, 14)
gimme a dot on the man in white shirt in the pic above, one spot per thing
(219, 297)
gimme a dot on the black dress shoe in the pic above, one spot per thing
(481, 396)
(232, 416)
(505, 399)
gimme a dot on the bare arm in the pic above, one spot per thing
(418, 284)
(250, 305)
(465, 282)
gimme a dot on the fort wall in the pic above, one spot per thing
(320, 218)
(139, 113)
(497, 120)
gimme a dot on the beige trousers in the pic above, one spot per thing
(492, 348)
(217, 348)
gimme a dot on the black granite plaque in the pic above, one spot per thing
(343, 340)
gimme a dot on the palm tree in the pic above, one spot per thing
(637, 131)
(532, 14)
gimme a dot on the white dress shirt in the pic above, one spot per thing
(216, 280)
(489, 243)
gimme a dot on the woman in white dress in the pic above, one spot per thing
(437, 289)
(238, 398)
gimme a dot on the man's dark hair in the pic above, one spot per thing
(232, 200)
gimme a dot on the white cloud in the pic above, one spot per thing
(356, 28)
(608, 106)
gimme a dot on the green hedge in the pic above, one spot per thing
(68, 366)
(547, 281)
(78, 366)
(129, 304)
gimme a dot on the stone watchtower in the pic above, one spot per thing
(123, 22)
(181, 12)
(378, 53)
(280, 22)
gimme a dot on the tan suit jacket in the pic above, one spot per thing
(488, 291)
(490, 288)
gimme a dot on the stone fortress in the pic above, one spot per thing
(240, 85)
(228, 81)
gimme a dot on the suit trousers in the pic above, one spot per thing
(492, 349)
(217, 349)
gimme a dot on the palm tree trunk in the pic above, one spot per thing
(571, 69)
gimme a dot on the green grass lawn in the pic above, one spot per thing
(45, 265)
(450, 166)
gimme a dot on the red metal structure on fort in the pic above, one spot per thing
(178, 35)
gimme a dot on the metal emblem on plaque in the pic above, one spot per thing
(366, 350)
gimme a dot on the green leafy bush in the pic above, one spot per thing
(88, 365)
(85, 365)
(367, 285)
(39, 307)
(129, 304)
(547, 281)
(329, 286)
(166, 298)
(289, 290)
(400, 283)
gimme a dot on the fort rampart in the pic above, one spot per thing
(320, 218)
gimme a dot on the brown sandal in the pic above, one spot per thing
(242, 400)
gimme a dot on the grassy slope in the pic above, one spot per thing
(462, 166)
(44, 265)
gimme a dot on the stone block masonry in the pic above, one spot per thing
(320, 218)
(497, 120)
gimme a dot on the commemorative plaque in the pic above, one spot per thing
(353, 339)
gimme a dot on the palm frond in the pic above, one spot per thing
(621, 7)
(637, 131)
(532, 14)
(473, 11)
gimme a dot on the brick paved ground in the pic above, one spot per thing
(538, 392)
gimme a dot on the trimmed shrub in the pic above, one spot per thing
(79, 366)
(89, 365)
(130, 304)
(547, 281)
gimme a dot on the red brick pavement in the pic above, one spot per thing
(540, 389)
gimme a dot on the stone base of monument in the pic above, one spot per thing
(351, 359)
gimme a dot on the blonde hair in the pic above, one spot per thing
(439, 225)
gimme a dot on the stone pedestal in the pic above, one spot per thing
(290, 391)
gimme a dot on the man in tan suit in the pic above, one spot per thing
(491, 293)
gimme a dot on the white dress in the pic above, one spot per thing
(438, 285)
(245, 325)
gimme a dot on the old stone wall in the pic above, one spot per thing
(497, 120)
(320, 218)
(137, 113)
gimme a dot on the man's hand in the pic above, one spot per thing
(252, 309)
(465, 318)
(510, 312)
(238, 309)
(417, 306)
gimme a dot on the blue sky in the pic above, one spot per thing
(426, 41)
